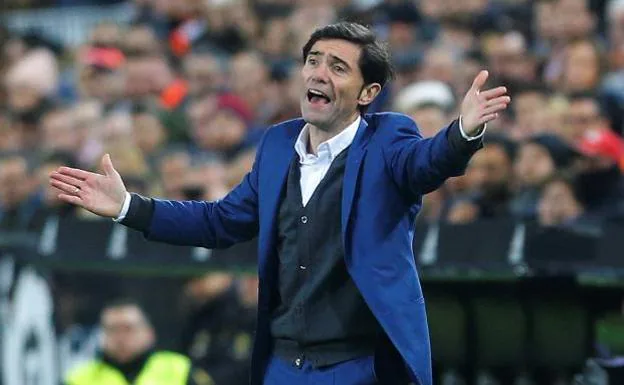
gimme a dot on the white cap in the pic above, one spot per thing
(424, 92)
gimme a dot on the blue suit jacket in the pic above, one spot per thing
(389, 168)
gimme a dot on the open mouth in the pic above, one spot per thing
(316, 96)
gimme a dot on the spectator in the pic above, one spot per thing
(173, 166)
(50, 206)
(203, 73)
(559, 203)
(58, 129)
(249, 78)
(508, 56)
(222, 133)
(537, 161)
(530, 110)
(489, 177)
(218, 333)
(16, 188)
(583, 66)
(148, 133)
(584, 114)
(128, 351)
(429, 103)
(601, 185)
(87, 117)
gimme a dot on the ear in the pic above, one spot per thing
(369, 93)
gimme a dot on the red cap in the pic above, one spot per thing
(109, 58)
(604, 143)
(236, 105)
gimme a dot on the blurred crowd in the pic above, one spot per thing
(181, 96)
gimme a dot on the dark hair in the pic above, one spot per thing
(126, 302)
(581, 96)
(374, 63)
(568, 178)
(508, 145)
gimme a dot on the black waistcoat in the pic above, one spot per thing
(322, 315)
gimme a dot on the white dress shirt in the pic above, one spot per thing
(314, 167)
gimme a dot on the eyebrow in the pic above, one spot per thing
(333, 57)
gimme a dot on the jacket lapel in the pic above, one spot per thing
(352, 170)
(277, 159)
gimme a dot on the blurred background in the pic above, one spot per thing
(520, 259)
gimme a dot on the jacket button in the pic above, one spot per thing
(298, 362)
(304, 219)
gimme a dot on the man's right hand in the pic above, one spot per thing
(102, 194)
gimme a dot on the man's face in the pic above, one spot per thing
(146, 76)
(558, 204)
(530, 109)
(533, 165)
(103, 85)
(430, 119)
(203, 73)
(13, 181)
(332, 84)
(249, 79)
(507, 55)
(173, 170)
(148, 132)
(126, 333)
(59, 132)
(489, 170)
(582, 68)
(582, 115)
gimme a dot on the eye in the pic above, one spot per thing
(339, 68)
(312, 61)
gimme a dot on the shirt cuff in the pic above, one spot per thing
(468, 137)
(124, 208)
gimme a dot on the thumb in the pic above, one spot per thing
(479, 81)
(107, 165)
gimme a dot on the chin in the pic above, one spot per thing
(315, 118)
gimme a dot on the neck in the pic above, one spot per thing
(319, 135)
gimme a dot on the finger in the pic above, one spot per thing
(66, 188)
(493, 92)
(493, 109)
(479, 81)
(75, 172)
(74, 200)
(488, 118)
(67, 179)
(107, 165)
(499, 100)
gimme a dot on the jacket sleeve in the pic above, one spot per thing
(419, 166)
(216, 224)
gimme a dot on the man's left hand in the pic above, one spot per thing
(480, 107)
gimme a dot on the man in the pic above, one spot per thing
(217, 334)
(488, 176)
(427, 102)
(17, 203)
(332, 198)
(128, 355)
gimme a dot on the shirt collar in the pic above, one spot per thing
(335, 145)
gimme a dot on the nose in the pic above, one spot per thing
(320, 74)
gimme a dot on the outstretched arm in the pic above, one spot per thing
(194, 223)
(420, 165)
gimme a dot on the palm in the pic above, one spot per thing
(480, 107)
(102, 194)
